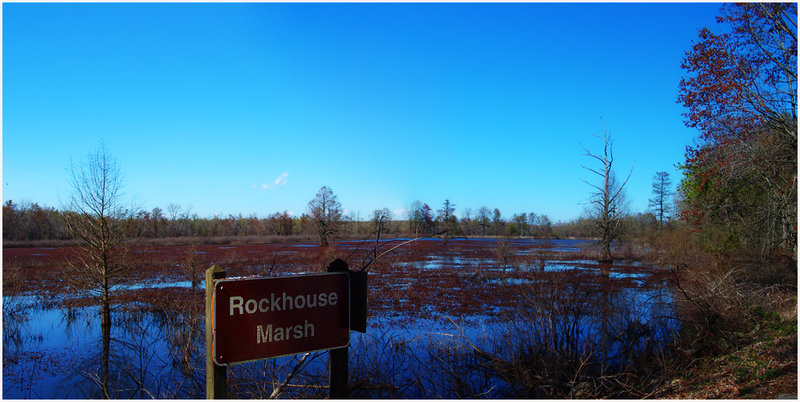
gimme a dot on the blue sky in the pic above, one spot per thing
(251, 108)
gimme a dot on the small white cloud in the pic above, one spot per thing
(280, 181)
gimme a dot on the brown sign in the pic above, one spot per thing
(262, 318)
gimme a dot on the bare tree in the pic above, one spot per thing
(662, 191)
(466, 221)
(99, 222)
(483, 219)
(607, 200)
(532, 220)
(415, 216)
(497, 221)
(382, 219)
(326, 214)
(520, 224)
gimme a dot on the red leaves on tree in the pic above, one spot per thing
(745, 78)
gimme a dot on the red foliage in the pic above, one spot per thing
(743, 79)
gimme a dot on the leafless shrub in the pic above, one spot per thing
(456, 368)
(540, 257)
(186, 338)
(569, 340)
(679, 247)
(324, 258)
(192, 265)
(124, 366)
(720, 302)
(629, 250)
(14, 309)
(503, 252)
(378, 365)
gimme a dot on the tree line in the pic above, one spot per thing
(29, 222)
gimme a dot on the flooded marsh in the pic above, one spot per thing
(464, 318)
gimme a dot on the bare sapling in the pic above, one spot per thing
(192, 265)
(99, 222)
(503, 252)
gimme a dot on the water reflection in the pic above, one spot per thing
(571, 321)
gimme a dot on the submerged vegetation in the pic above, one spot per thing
(445, 320)
(486, 318)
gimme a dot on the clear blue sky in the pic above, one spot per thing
(251, 108)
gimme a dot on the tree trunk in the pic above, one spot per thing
(605, 253)
(105, 309)
(106, 329)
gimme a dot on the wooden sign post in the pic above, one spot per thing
(216, 376)
(264, 318)
(337, 358)
(250, 319)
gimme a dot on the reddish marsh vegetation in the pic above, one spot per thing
(465, 318)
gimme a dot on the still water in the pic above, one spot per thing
(53, 352)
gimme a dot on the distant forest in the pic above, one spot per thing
(30, 222)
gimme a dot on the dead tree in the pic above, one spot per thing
(607, 200)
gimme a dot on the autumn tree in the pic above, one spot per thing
(326, 215)
(284, 223)
(607, 199)
(98, 221)
(662, 191)
(29, 221)
(745, 78)
(740, 92)
(14, 221)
